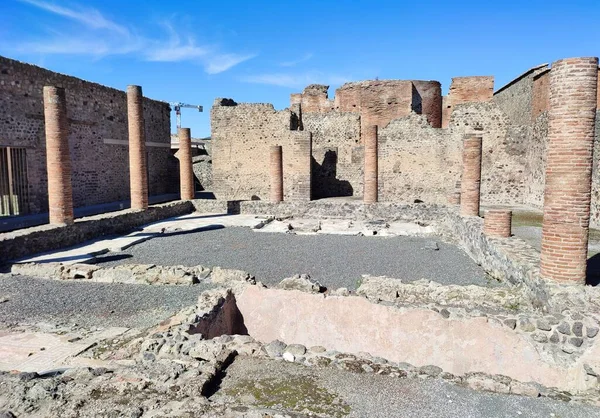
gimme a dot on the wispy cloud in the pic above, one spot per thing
(295, 80)
(219, 63)
(103, 37)
(300, 60)
(87, 16)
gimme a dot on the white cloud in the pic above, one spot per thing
(170, 53)
(89, 17)
(219, 63)
(119, 40)
(295, 80)
(300, 60)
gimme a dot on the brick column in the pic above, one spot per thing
(371, 187)
(454, 198)
(497, 223)
(186, 172)
(138, 180)
(471, 176)
(58, 158)
(276, 173)
(298, 167)
(567, 193)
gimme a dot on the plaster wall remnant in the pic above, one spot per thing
(138, 182)
(60, 195)
(276, 171)
(98, 133)
(497, 223)
(471, 177)
(567, 194)
(371, 161)
(186, 175)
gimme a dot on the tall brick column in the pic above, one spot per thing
(371, 165)
(186, 172)
(276, 173)
(138, 180)
(298, 167)
(567, 193)
(471, 176)
(58, 159)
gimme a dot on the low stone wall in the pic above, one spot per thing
(507, 259)
(28, 241)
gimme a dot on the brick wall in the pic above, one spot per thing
(539, 101)
(462, 90)
(95, 113)
(314, 98)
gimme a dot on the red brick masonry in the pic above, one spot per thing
(58, 159)
(567, 193)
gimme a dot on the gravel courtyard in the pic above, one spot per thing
(334, 260)
(28, 301)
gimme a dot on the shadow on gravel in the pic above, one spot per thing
(110, 258)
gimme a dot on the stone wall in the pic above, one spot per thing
(337, 165)
(241, 136)
(97, 115)
(417, 162)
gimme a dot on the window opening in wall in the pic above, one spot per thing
(14, 190)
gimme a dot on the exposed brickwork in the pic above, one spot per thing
(371, 161)
(60, 196)
(572, 113)
(474, 89)
(540, 99)
(95, 113)
(313, 99)
(471, 176)
(454, 198)
(186, 174)
(138, 180)
(298, 163)
(381, 101)
(497, 223)
(430, 93)
(276, 173)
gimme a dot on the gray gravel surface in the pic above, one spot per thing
(33, 300)
(334, 260)
(370, 395)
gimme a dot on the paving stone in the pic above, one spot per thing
(275, 348)
(296, 349)
(526, 325)
(564, 328)
(591, 332)
(544, 324)
(577, 329)
(576, 341)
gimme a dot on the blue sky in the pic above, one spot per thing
(261, 51)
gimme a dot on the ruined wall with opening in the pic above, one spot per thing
(97, 115)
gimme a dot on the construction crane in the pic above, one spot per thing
(177, 108)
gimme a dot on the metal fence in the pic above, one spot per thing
(14, 193)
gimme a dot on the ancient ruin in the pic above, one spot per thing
(390, 238)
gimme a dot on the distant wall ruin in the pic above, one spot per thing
(417, 160)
